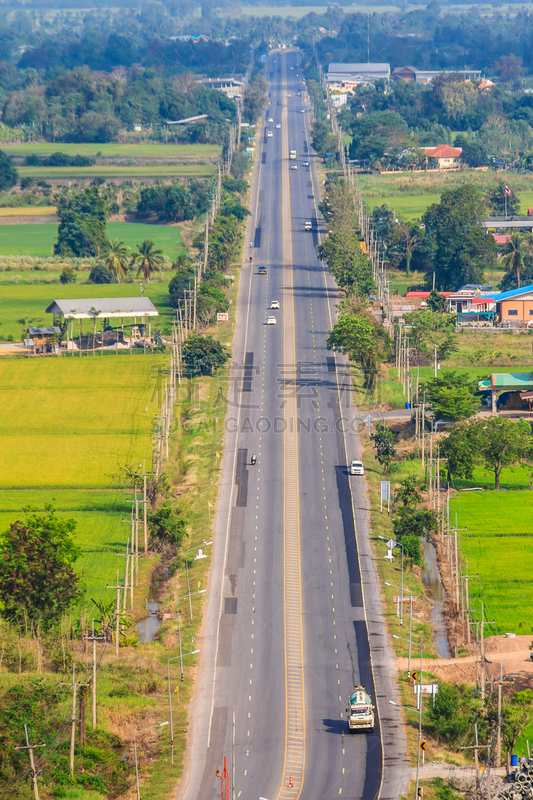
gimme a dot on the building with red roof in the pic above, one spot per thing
(444, 156)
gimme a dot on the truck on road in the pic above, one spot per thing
(360, 711)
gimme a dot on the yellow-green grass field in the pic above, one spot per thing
(19, 301)
(154, 150)
(100, 532)
(72, 422)
(38, 239)
(118, 171)
(28, 211)
(498, 545)
(410, 194)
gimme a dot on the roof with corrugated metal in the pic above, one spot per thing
(103, 307)
(508, 380)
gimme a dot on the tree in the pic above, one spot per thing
(82, 223)
(499, 202)
(8, 173)
(148, 259)
(458, 247)
(451, 714)
(513, 256)
(517, 715)
(254, 99)
(494, 443)
(383, 439)
(409, 243)
(410, 525)
(437, 302)
(100, 274)
(166, 525)
(117, 258)
(474, 154)
(68, 275)
(452, 396)
(202, 354)
(408, 493)
(509, 67)
(362, 341)
(37, 580)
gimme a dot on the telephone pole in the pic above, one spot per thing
(94, 639)
(31, 748)
(74, 687)
(118, 587)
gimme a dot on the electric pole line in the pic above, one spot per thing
(118, 587)
(94, 639)
(33, 772)
(74, 686)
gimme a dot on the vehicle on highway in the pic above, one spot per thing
(302, 111)
(292, 154)
(278, 125)
(274, 304)
(270, 119)
(357, 468)
(298, 94)
(291, 67)
(269, 134)
(305, 163)
(360, 711)
(262, 271)
(308, 226)
(294, 166)
(280, 103)
(271, 320)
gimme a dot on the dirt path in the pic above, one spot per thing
(510, 653)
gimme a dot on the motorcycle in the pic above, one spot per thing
(253, 460)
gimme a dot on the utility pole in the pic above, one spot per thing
(118, 587)
(94, 639)
(476, 748)
(74, 687)
(31, 748)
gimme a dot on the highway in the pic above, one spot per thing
(286, 633)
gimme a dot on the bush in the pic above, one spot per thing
(68, 275)
(100, 274)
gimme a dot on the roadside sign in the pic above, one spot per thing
(384, 497)
(223, 317)
(427, 688)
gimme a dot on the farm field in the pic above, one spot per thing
(181, 152)
(70, 422)
(411, 193)
(498, 545)
(28, 211)
(99, 534)
(30, 301)
(118, 171)
(38, 239)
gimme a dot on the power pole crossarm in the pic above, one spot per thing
(31, 748)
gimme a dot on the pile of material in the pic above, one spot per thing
(519, 782)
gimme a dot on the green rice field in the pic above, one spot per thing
(100, 532)
(181, 152)
(38, 239)
(118, 171)
(71, 422)
(498, 545)
(19, 301)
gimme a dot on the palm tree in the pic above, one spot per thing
(116, 258)
(513, 256)
(147, 259)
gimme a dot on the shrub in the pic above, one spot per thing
(68, 275)
(100, 274)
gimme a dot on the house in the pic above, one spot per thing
(43, 340)
(502, 238)
(444, 156)
(514, 389)
(232, 87)
(425, 76)
(473, 305)
(338, 99)
(515, 308)
(349, 76)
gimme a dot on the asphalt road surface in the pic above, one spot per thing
(293, 617)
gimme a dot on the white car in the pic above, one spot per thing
(269, 134)
(357, 468)
(305, 163)
(302, 111)
(274, 304)
(278, 125)
(272, 320)
(294, 166)
(292, 67)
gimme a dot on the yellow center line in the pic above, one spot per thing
(294, 764)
